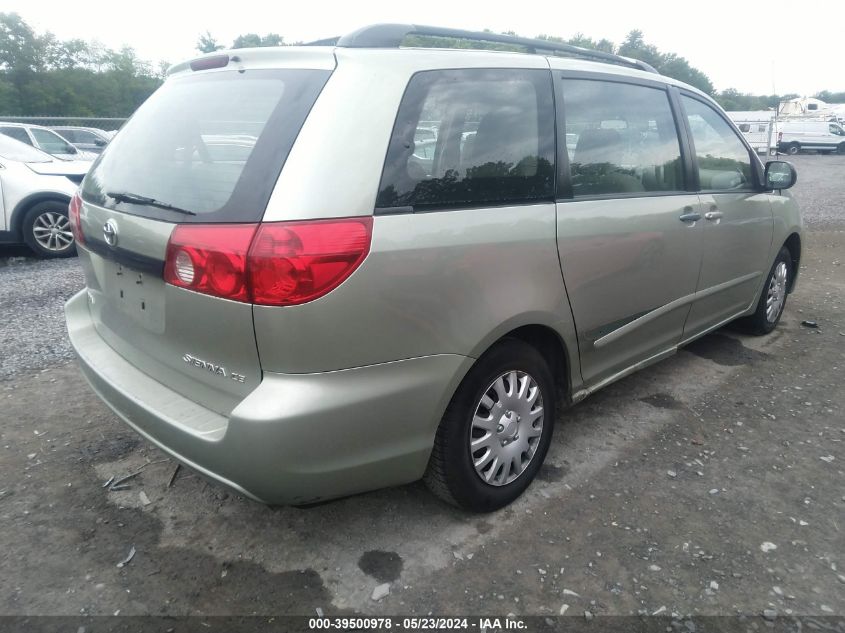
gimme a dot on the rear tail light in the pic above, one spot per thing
(210, 258)
(275, 264)
(297, 262)
(780, 136)
(74, 209)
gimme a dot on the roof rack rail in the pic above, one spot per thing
(392, 35)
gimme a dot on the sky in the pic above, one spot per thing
(756, 47)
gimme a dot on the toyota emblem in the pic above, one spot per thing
(110, 233)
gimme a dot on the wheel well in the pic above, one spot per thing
(548, 342)
(793, 245)
(27, 203)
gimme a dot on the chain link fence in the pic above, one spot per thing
(104, 123)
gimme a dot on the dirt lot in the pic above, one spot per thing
(712, 483)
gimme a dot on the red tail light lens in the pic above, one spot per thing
(275, 264)
(210, 258)
(296, 262)
(74, 209)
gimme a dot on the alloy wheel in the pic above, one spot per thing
(52, 231)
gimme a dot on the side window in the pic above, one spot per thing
(621, 138)
(51, 142)
(745, 127)
(835, 129)
(81, 136)
(469, 138)
(17, 133)
(723, 160)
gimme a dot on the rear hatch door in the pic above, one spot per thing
(207, 148)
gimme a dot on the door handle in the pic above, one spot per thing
(713, 215)
(692, 216)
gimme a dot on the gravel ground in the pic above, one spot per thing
(32, 296)
(819, 189)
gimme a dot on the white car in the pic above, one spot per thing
(35, 189)
(44, 139)
(86, 139)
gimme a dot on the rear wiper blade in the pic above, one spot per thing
(121, 196)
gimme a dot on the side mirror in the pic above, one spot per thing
(780, 175)
(100, 142)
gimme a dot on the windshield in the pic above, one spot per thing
(210, 143)
(10, 149)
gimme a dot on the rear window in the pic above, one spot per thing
(212, 144)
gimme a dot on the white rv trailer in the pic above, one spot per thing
(811, 109)
(758, 127)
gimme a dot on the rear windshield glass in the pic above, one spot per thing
(212, 144)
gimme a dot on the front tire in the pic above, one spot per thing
(793, 148)
(46, 230)
(773, 298)
(496, 431)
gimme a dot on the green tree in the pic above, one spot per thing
(830, 97)
(43, 75)
(253, 40)
(582, 41)
(20, 49)
(207, 44)
(668, 64)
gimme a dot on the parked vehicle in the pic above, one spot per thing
(822, 136)
(758, 128)
(87, 139)
(44, 139)
(35, 189)
(809, 107)
(308, 323)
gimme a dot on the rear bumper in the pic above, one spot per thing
(296, 438)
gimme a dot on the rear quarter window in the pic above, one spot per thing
(470, 138)
(210, 143)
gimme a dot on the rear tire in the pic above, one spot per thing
(773, 298)
(460, 470)
(46, 230)
(793, 148)
(840, 149)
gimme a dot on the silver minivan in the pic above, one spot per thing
(288, 295)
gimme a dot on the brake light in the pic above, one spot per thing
(275, 263)
(207, 63)
(296, 262)
(780, 136)
(74, 209)
(210, 258)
